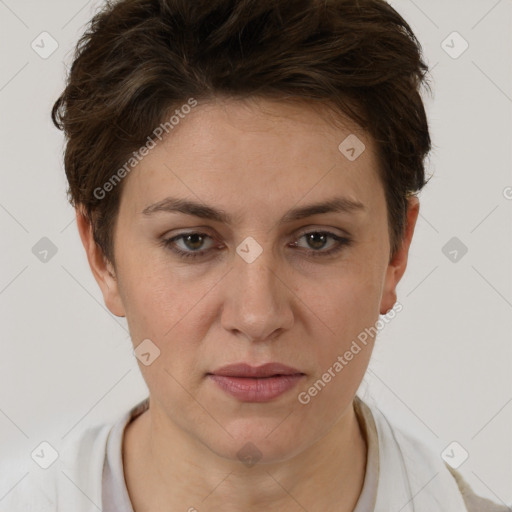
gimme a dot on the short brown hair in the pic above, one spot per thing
(140, 59)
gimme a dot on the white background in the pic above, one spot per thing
(442, 368)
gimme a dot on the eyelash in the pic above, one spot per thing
(341, 243)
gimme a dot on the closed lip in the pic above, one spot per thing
(262, 371)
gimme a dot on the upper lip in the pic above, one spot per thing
(264, 370)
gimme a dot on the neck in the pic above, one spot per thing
(163, 464)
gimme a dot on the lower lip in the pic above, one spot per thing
(256, 390)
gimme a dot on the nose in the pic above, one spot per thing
(258, 303)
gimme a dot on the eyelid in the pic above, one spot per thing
(169, 241)
(324, 229)
(341, 241)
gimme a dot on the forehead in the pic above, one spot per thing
(257, 152)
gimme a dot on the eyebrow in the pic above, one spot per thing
(176, 205)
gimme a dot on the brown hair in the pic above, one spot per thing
(140, 59)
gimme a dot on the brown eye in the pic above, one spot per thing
(191, 244)
(193, 241)
(317, 240)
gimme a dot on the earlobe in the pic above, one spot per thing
(101, 268)
(398, 263)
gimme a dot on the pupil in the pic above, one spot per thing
(191, 245)
(322, 242)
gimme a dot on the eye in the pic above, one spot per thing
(318, 240)
(193, 243)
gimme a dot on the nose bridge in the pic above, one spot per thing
(256, 303)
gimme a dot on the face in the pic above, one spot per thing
(220, 260)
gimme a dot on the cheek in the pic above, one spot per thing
(341, 344)
(164, 304)
(347, 317)
(165, 310)
(349, 299)
(160, 302)
(343, 341)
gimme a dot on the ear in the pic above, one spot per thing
(102, 269)
(398, 263)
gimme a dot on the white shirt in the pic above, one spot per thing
(402, 473)
(115, 494)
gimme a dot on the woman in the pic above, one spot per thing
(244, 175)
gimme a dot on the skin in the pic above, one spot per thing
(256, 159)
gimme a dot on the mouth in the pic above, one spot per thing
(256, 383)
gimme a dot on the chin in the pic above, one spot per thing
(257, 441)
